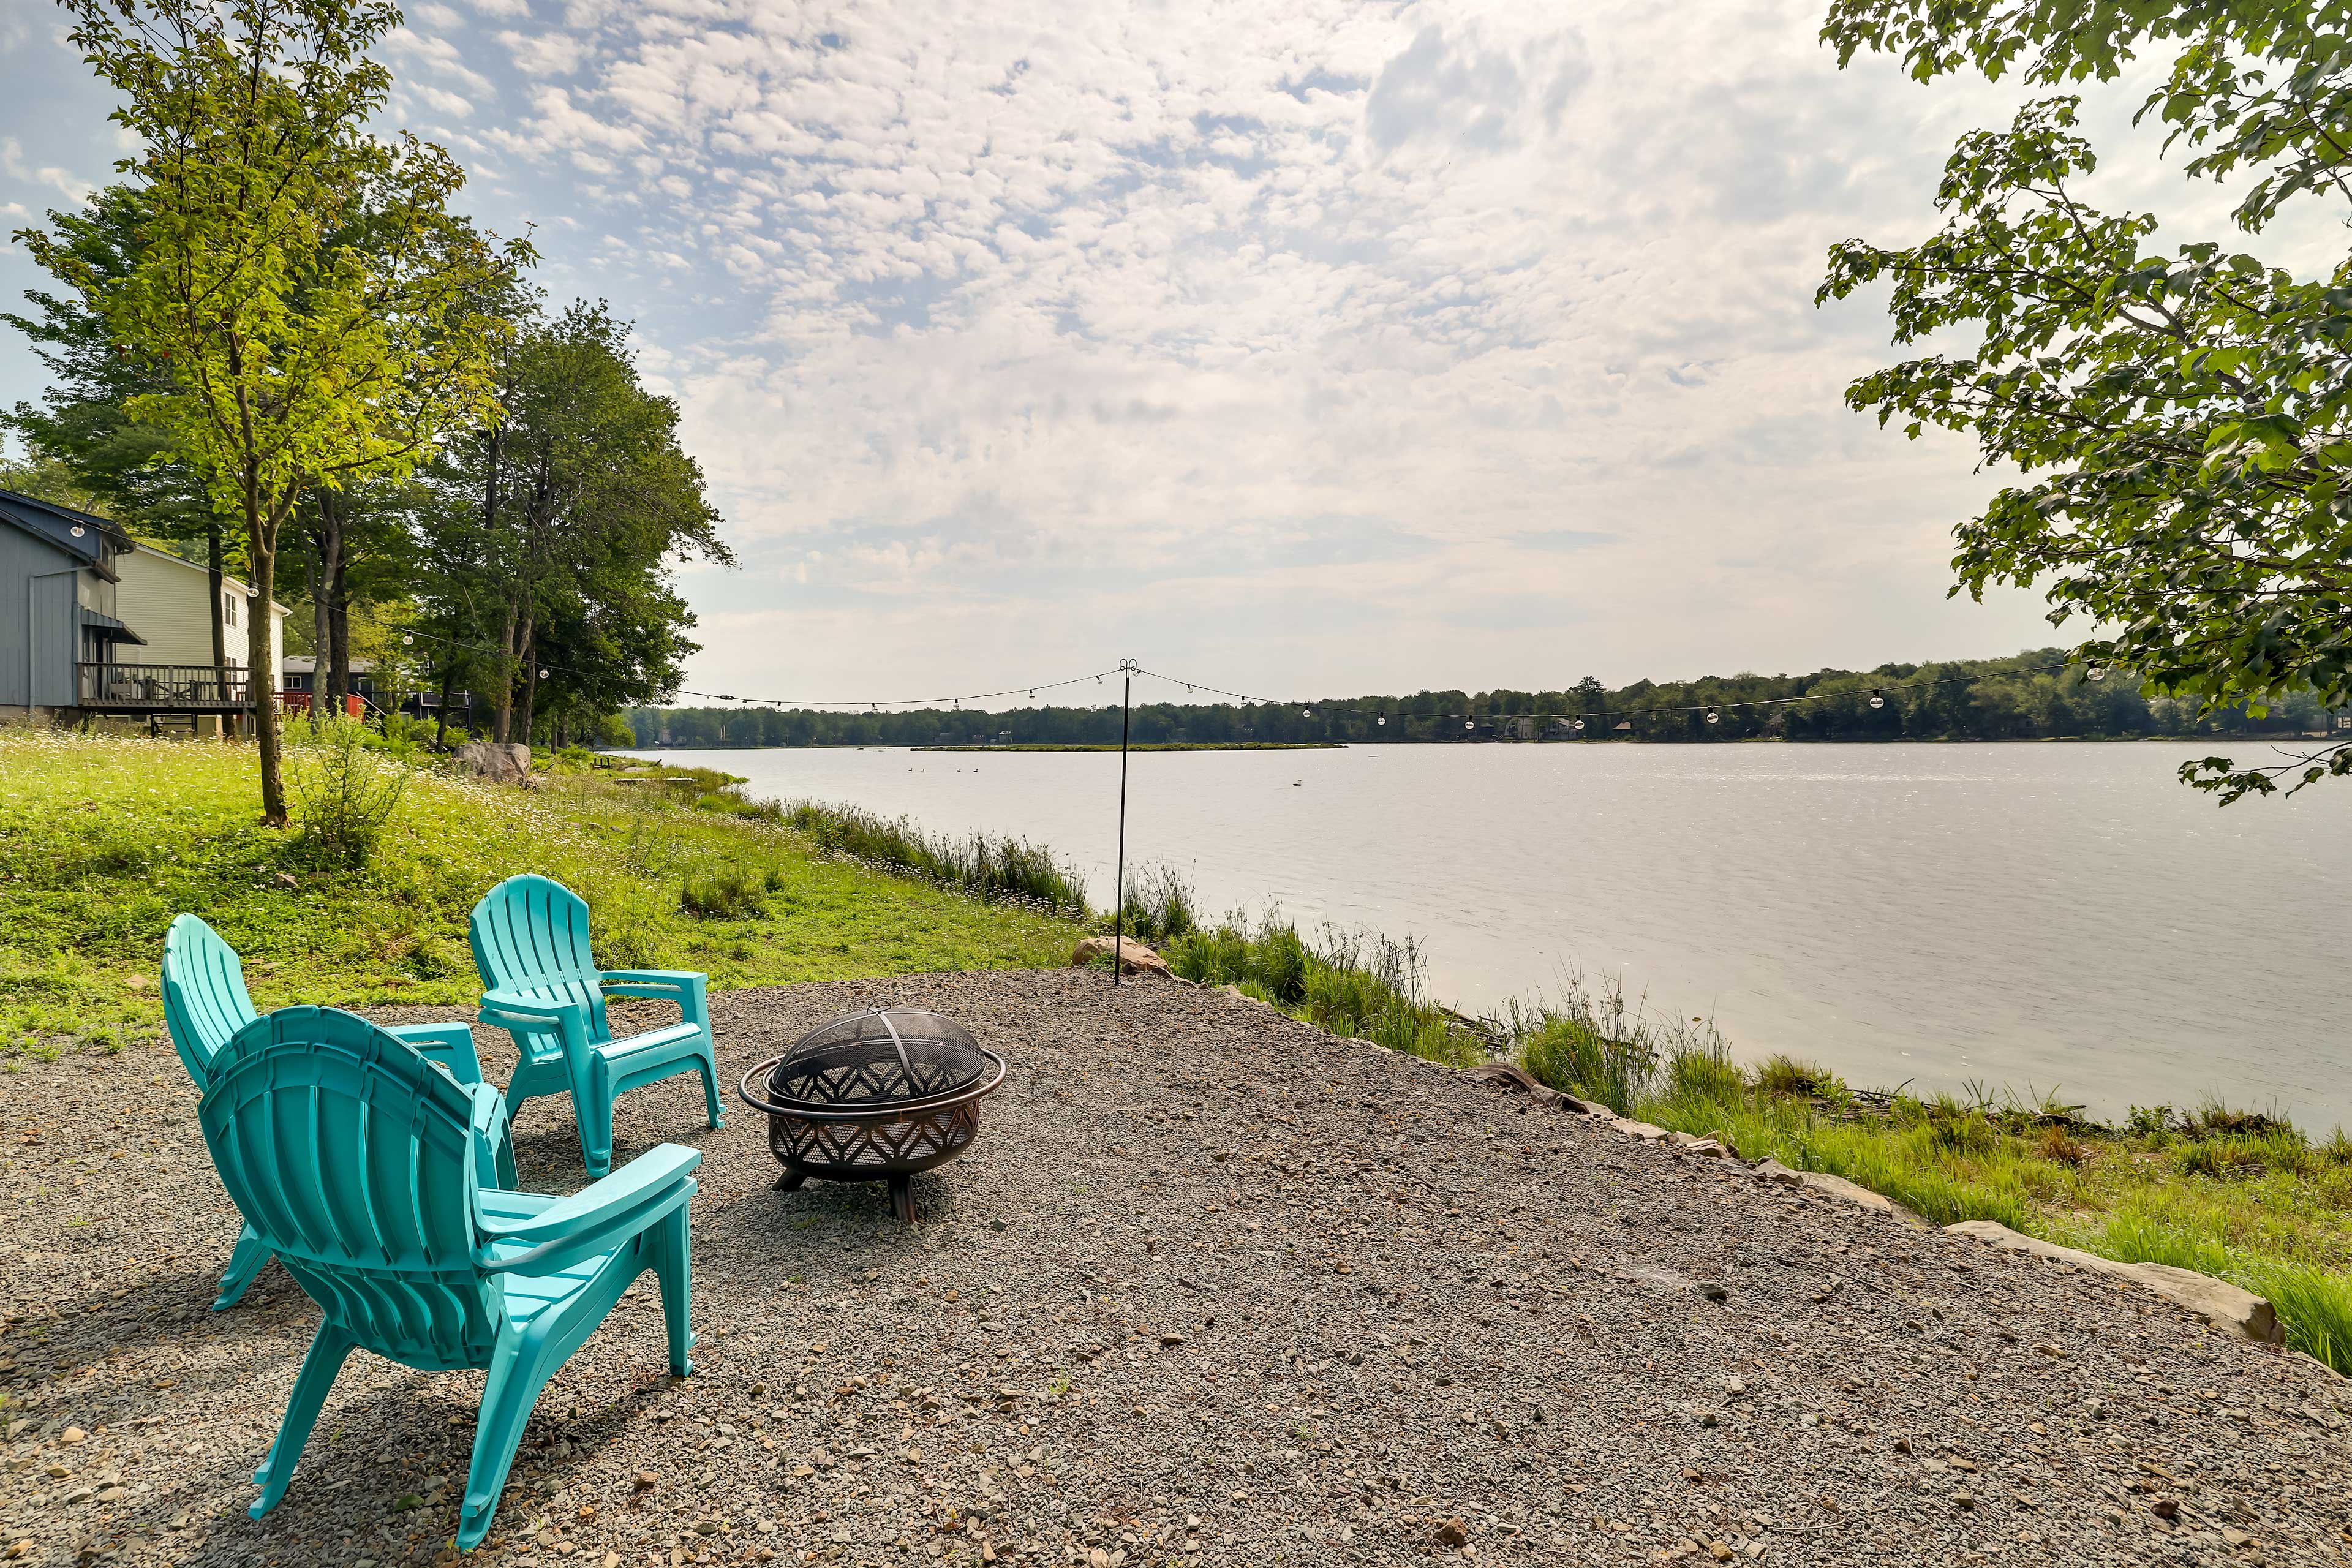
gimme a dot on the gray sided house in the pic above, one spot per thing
(83, 603)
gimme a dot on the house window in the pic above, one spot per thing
(228, 609)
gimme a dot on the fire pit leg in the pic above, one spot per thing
(902, 1198)
(790, 1182)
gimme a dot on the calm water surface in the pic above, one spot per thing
(2026, 915)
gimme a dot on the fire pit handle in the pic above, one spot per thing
(974, 1090)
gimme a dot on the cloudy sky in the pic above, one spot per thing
(1312, 348)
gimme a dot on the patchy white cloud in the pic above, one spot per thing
(1312, 347)
(14, 165)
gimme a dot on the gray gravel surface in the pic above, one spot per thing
(1210, 1287)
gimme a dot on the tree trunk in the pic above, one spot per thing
(314, 574)
(261, 664)
(214, 574)
(502, 704)
(530, 676)
(335, 648)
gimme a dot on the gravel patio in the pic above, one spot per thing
(1212, 1286)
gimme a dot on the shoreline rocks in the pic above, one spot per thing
(2219, 1302)
(1134, 957)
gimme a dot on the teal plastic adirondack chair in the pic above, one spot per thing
(368, 1173)
(205, 1002)
(530, 944)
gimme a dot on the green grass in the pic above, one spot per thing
(2234, 1195)
(102, 841)
(1004, 869)
(1349, 983)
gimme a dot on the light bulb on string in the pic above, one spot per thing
(1579, 726)
(1469, 723)
(1877, 700)
(78, 531)
(1382, 720)
(1306, 713)
(1711, 716)
(2097, 672)
(406, 640)
(542, 675)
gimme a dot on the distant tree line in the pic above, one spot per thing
(2036, 695)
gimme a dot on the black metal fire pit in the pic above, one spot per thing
(873, 1097)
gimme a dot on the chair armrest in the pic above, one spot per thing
(451, 1045)
(622, 1205)
(654, 982)
(531, 1009)
(493, 1143)
(684, 986)
(520, 1014)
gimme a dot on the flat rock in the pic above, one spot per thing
(2219, 1302)
(1134, 957)
(1512, 1076)
(1847, 1192)
(1642, 1130)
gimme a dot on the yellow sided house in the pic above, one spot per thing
(100, 624)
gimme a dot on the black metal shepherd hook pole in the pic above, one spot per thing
(1128, 668)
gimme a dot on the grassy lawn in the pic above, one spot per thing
(102, 841)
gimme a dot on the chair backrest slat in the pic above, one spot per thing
(204, 999)
(530, 935)
(352, 1157)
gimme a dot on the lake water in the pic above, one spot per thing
(2032, 914)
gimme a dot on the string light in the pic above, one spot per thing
(1469, 723)
(78, 531)
(542, 675)
(1382, 720)
(1877, 697)
(407, 641)
(1710, 715)
(1580, 726)
(2097, 672)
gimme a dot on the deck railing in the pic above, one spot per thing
(163, 689)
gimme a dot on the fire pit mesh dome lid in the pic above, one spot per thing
(884, 1056)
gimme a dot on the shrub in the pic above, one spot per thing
(1007, 869)
(2060, 1146)
(1783, 1074)
(1160, 906)
(729, 894)
(345, 790)
(1700, 1074)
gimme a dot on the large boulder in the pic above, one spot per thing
(2218, 1302)
(1134, 958)
(499, 761)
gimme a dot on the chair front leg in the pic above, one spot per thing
(674, 1268)
(592, 1102)
(249, 1258)
(519, 1368)
(328, 1353)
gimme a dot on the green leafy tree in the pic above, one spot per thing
(2182, 421)
(560, 521)
(295, 358)
(125, 467)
